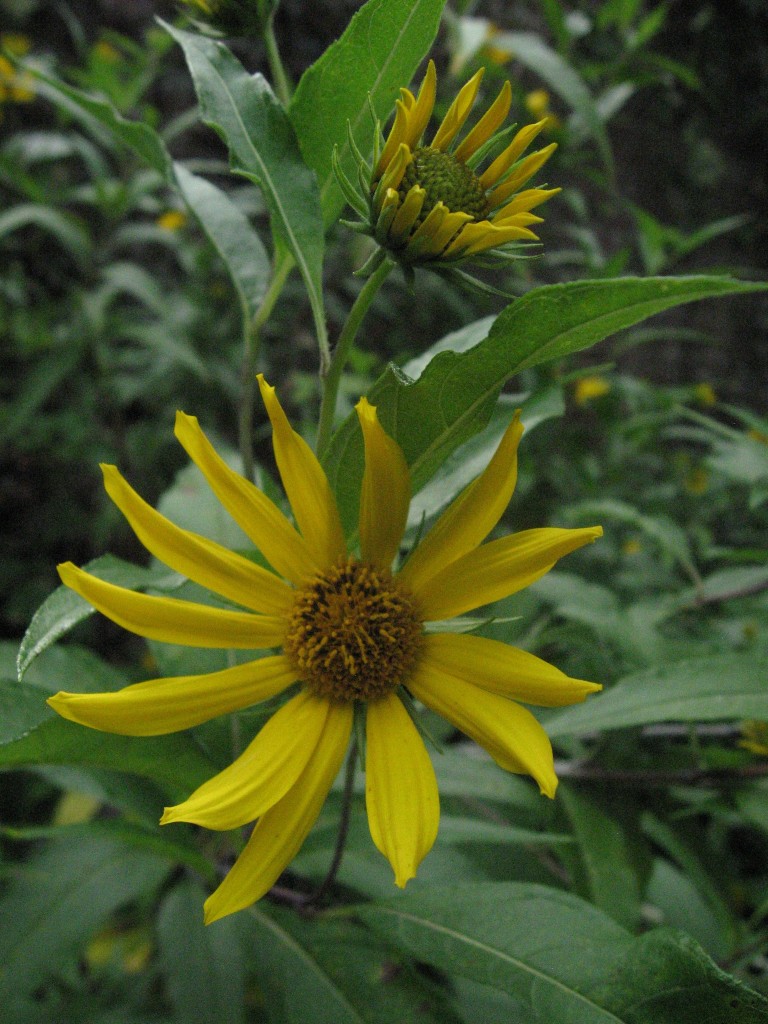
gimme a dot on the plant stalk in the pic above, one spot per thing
(332, 378)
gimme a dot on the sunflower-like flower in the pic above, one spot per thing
(431, 204)
(350, 633)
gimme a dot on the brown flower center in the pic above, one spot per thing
(353, 633)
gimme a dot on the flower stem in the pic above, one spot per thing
(251, 339)
(340, 355)
(283, 85)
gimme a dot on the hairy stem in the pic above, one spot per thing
(332, 378)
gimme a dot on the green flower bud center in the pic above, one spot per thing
(353, 633)
(444, 179)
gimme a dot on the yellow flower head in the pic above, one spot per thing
(15, 86)
(704, 394)
(347, 630)
(431, 203)
(172, 220)
(755, 737)
(587, 388)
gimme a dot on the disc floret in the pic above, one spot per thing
(353, 633)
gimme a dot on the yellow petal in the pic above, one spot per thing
(469, 518)
(516, 220)
(281, 831)
(173, 621)
(196, 557)
(457, 113)
(484, 235)
(393, 175)
(487, 125)
(511, 154)
(420, 113)
(261, 520)
(525, 201)
(400, 788)
(525, 170)
(497, 569)
(450, 226)
(386, 491)
(502, 669)
(395, 139)
(306, 485)
(264, 772)
(160, 706)
(510, 733)
(405, 218)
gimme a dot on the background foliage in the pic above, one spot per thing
(130, 255)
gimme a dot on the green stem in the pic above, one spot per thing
(332, 378)
(283, 84)
(251, 339)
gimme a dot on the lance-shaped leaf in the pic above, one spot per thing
(455, 395)
(377, 54)
(230, 233)
(561, 957)
(715, 688)
(244, 112)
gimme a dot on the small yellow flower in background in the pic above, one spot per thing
(631, 546)
(755, 737)
(105, 51)
(537, 105)
(757, 435)
(587, 388)
(697, 481)
(15, 86)
(491, 52)
(351, 632)
(431, 203)
(704, 394)
(172, 220)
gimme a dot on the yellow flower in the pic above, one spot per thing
(172, 220)
(15, 86)
(431, 203)
(537, 105)
(755, 737)
(587, 388)
(350, 632)
(704, 394)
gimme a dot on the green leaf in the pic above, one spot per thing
(230, 233)
(561, 957)
(563, 79)
(57, 898)
(380, 985)
(204, 967)
(66, 229)
(714, 688)
(244, 112)
(608, 876)
(297, 986)
(97, 114)
(175, 762)
(454, 397)
(668, 979)
(63, 609)
(378, 53)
